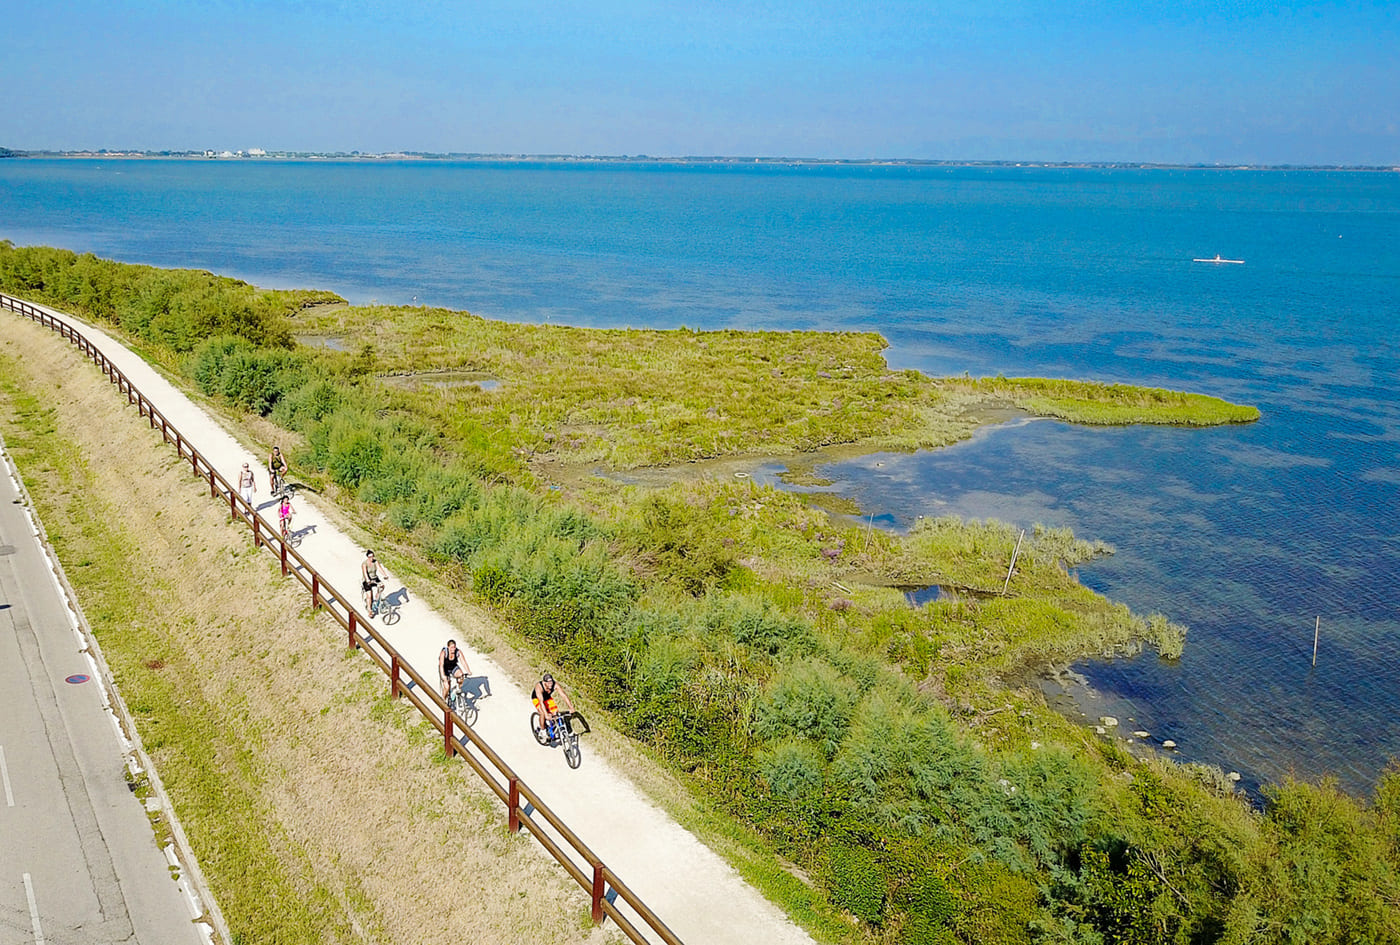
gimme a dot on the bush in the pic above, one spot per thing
(856, 882)
(793, 770)
(680, 545)
(810, 700)
(756, 623)
(928, 906)
(251, 378)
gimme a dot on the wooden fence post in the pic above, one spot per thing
(447, 732)
(514, 805)
(394, 677)
(598, 887)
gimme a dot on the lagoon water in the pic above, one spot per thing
(1245, 534)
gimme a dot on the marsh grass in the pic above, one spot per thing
(629, 398)
(1100, 404)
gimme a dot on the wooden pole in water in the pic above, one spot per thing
(1316, 628)
(1014, 554)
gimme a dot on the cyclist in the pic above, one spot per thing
(370, 581)
(276, 470)
(284, 514)
(547, 696)
(452, 664)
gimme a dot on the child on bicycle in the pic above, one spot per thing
(285, 513)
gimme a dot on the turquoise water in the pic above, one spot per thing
(1245, 534)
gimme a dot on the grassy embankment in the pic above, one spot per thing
(723, 624)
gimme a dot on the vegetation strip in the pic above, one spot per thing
(758, 644)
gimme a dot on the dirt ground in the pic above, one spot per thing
(412, 849)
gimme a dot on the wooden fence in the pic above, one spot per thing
(523, 805)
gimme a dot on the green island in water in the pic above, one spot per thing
(880, 770)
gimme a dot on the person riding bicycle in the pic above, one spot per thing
(285, 513)
(276, 468)
(452, 665)
(370, 581)
(547, 696)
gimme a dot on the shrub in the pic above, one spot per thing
(856, 882)
(808, 699)
(756, 623)
(680, 544)
(793, 771)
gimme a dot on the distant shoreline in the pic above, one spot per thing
(401, 156)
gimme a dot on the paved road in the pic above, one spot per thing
(699, 896)
(78, 859)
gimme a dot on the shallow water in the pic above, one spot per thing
(1246, 534)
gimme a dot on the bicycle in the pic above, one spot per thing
(462, 702)
(558, 732)
(385, 608)
(278, 483)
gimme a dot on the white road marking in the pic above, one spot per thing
(5, 777)
(33, 910)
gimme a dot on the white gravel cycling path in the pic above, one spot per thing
(700, 897)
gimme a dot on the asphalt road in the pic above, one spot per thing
(79, 862)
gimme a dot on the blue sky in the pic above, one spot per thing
(1126, 81)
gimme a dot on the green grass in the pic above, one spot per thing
(628, 397)
(1098, 404)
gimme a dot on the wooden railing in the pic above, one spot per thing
(524, 807)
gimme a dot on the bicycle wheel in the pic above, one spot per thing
(468, 714)
(571, 753)
(541, 735)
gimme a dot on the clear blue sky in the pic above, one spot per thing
(1129, 80)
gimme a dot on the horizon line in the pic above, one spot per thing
(265, 154)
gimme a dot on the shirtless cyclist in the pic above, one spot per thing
(547, 696)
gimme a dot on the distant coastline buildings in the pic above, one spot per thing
(214, 154)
